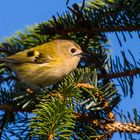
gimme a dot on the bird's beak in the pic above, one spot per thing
(82, 54)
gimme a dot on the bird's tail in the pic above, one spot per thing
(3, 60)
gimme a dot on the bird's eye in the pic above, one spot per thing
(73, 50)
(30, 53)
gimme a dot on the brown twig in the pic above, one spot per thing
(122, 127)
(50, 137)
(121, 74)
(10, 107)
(97, 30)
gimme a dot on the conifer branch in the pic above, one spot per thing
(11, 107)
(69, 108)
(112, 127)
(105, 104)
(121, 74)
(96, 30)
(122, 127)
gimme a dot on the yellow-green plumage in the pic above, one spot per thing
(45, 64)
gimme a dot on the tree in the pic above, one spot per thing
(84, 104)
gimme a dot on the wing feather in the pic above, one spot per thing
(23, 57)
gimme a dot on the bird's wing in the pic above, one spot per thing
(28, 56)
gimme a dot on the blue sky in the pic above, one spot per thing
(15, 15)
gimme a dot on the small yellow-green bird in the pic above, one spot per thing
(45, 64)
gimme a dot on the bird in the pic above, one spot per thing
(45, 64)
